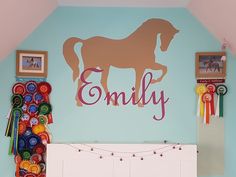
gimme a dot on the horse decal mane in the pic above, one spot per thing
(137, 51)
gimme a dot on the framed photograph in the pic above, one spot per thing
(209, 65)
(31, 63)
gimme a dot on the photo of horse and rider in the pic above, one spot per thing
(31, 63)
(210, 64)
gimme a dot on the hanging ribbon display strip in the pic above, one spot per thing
(206, 102)
(27, 127)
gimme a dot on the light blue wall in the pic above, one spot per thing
(123, 124)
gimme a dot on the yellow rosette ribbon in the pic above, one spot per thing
(200, 90)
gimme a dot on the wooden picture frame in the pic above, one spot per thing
(210, 65)
(31, 63)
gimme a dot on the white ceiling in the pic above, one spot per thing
(125, 3)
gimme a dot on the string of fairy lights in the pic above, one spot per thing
(122, 155)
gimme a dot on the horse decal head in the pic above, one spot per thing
(166, 39)
(137, 51)
(166, 30)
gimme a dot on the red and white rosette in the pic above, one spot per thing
(212, 89)
(45, 89)
(207, 98)
(19, 88)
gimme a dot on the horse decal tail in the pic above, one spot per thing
(70, 56)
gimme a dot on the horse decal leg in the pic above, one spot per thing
(157, 66)
(104, 78)
(139, 74)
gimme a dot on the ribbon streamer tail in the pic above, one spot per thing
(9, 127)
(198, 107)
(9, 113)
(201, 107)
(50, 119)
(204, 120)
(207, 112)
(11, 142)
(212, 105)
(221, 106)
(217, 113)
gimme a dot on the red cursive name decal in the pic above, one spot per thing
(95, 92)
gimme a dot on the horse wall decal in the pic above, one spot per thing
(136, 51)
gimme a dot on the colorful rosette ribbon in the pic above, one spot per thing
(207, 98)
(221, 90)
(200, 90)
(212, 89)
